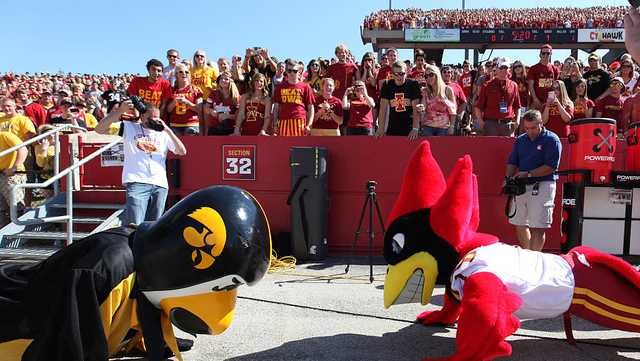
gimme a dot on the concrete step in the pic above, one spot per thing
(52, 236)
(30, 254)
(89, 205)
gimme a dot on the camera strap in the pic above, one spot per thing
(506, 207)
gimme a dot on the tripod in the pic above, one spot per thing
(370, 200)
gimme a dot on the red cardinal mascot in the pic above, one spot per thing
(431, 238)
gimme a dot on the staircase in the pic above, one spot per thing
(32, 243)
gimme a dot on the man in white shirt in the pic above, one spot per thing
(145, 152)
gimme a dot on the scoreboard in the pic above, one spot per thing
(510, 36)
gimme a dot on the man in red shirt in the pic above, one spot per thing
(541, 76)
(417, 73)
(499, 103)
(36, 112)
(293, 104)
(342, 72)
(385, 71)
(466, 79)
(153, 89)
(612, 105)
(631, 110)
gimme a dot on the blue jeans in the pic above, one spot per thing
(431, 131)
(145, 202)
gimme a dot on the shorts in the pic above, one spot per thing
(534, 211)
(6, 185)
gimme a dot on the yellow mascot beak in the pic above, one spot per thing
(207, 313)
(411, 280)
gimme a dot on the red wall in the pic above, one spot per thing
(351, 162)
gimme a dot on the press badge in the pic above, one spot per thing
(503, 107)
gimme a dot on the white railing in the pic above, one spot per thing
(53, 180)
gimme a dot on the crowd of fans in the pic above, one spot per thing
(257, 94)
(539, 18)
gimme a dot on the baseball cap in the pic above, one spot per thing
(594, 56)
(65, 90)
(546, 46)
(503, 62)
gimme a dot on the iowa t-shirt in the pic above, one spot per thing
(400, 109)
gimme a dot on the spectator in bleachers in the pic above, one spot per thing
(417, 72)
(558, 110)
(499, 103)
(629, 76)
(552, 17)
(254, 114)
(279, 77)
(574, 78)
(437, 108)
(203, 76)
(611, 105)
(398, 99)
(169, 71)
(293, 104)
(328, 111)
(10, 165)
(313, 78)
(257, 60)
(466, 79)
(458, 94)
(153, 89)
(385, 72)
(583, 106)
(342, 72)
(519, 75)
(598, 79)
(70, 114)
(46, 100)
(541, 77)
(16, 123)
(36, 112)
(185, 104)
(221, 108)
(360, 106)
(367, 73)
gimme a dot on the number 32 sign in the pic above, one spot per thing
(239, 162)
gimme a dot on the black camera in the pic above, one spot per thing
(514, 186)
(139, 104)
(116, 97)
(155, 125)
(371, 185)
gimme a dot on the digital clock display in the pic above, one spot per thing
(535, 36)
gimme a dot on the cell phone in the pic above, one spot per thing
(634, 3)
(552, 95)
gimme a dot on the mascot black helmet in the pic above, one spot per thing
(191, 260)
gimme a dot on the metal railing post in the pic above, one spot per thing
(56, 164)
(69, 209)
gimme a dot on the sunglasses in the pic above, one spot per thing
(183, 71)
(315, 64)
(517, 66)
(399, 73)
(292, 70)
(545, 53)
(199, 56)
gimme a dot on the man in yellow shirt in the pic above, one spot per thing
(9, 165)
(14, 122)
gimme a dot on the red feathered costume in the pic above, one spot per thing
(431, 238)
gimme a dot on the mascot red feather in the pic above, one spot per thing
(431, 239)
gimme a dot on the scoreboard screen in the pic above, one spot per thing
(534, 36)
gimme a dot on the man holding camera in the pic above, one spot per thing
(146, 141)
(533, 161)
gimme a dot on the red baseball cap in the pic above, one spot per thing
(546, 46)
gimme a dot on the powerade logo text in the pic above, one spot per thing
(600, 158)
(569, 202)
(627, 178)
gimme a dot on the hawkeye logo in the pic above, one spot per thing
(210, 241)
